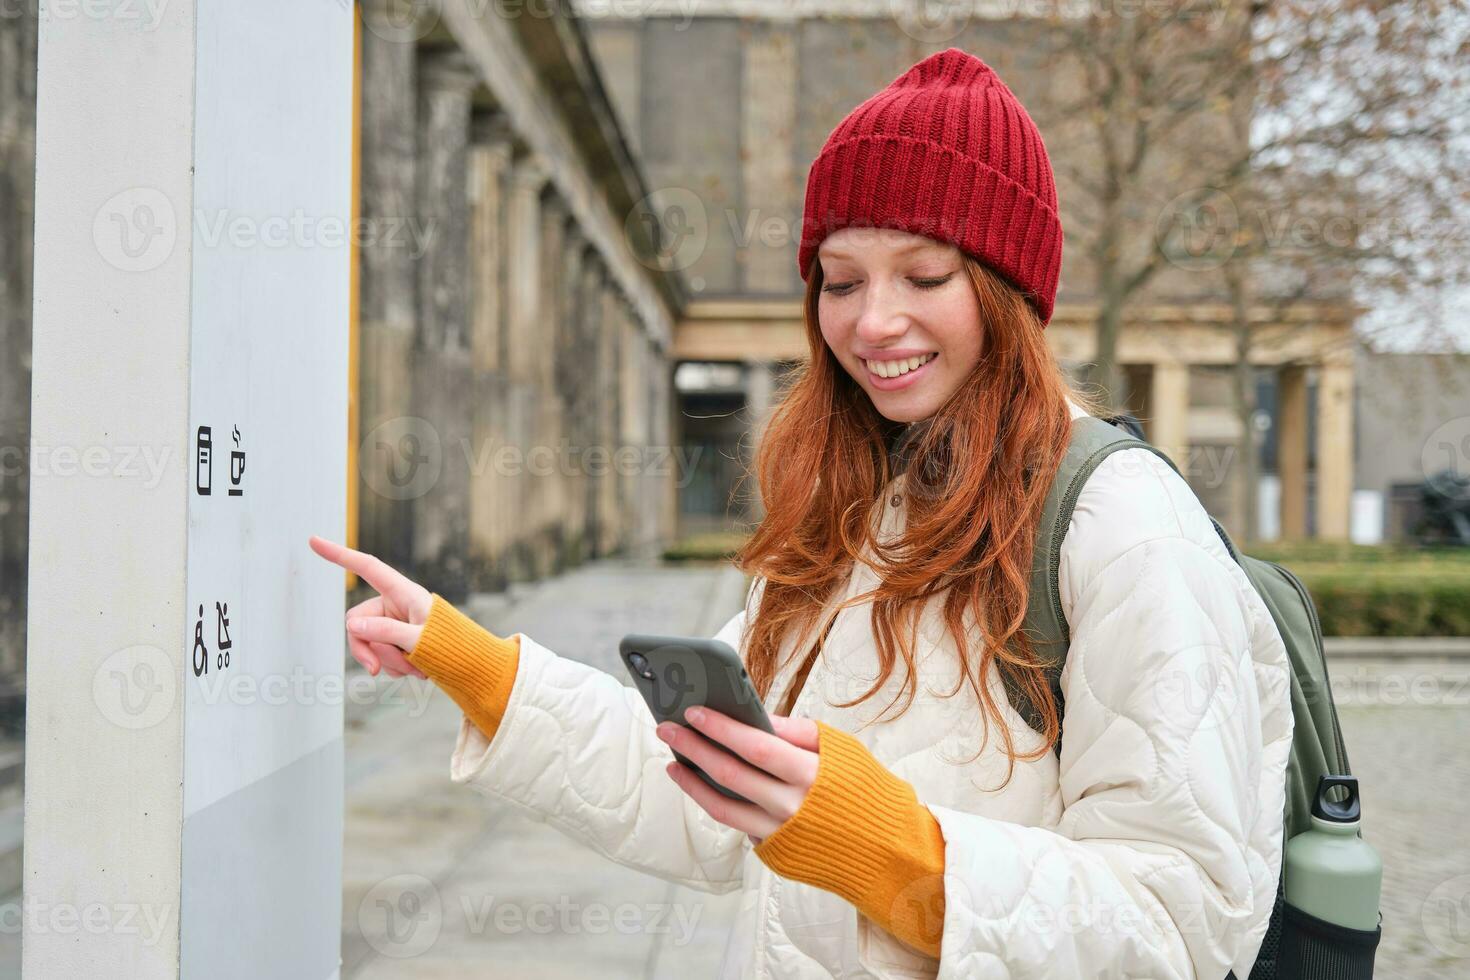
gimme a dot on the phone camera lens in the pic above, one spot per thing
(640, 665)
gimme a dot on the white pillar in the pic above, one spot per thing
(1334, 447)
(191, 278)
(1168, 424)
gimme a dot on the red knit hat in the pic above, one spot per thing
(945, 151)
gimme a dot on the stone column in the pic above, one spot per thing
(17, 171)
(633, 438)
(391, 227)
(547, 479)
(760, 384)
(446, 81)
(1291, 449)
(1334, 448)
(1168, 423)
(768, 121)
(610, 416)
(660, 463)
(1138, 377)
(492, 149)
(444, 390)
(573, 374)
(529, 173)
(595, 393)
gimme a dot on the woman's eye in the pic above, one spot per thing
(930, 282)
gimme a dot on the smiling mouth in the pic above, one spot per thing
(898, 368)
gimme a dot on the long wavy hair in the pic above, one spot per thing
(979, 471)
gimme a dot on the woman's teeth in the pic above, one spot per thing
(892, 369)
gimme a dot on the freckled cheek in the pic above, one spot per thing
(963, 343)
(838, 341)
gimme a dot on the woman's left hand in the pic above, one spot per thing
(773, 771)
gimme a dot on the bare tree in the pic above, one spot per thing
(1354, 184)
(1263, 155)
(1169, 104)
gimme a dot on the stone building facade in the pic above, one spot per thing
(727, 102)
(515, 411)
(511, 375)
(559, 204)
(17, 190)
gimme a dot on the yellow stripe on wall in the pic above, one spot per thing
(353, 260)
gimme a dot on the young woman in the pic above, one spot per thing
(905, 820)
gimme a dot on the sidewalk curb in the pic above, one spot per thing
(1397, 647)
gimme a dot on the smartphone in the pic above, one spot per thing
(674, 673)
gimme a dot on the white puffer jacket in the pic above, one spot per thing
(1150, 849)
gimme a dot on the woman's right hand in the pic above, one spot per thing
(381, 630)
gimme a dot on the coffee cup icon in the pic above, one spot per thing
(237, 471)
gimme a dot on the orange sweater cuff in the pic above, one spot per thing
(475, 667)
(862, 833)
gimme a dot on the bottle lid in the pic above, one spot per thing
(1345, 810)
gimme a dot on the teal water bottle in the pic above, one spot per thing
(1330, 929)
(1331, 872)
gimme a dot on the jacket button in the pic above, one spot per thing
(895, 500)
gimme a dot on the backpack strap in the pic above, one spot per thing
(1092, 441)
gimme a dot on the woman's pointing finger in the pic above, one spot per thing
(400, 591)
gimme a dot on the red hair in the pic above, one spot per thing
(979, 473)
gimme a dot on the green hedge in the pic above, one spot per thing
(714, 546)
(1359, 590)
(1387, 590)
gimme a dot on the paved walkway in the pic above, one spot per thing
(422, 847)
(1407, 728)
(439, 885)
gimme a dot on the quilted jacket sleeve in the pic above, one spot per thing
(576, 749)
(1175, 736)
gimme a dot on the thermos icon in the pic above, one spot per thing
(204, 444)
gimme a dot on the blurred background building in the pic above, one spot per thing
(576, 293)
